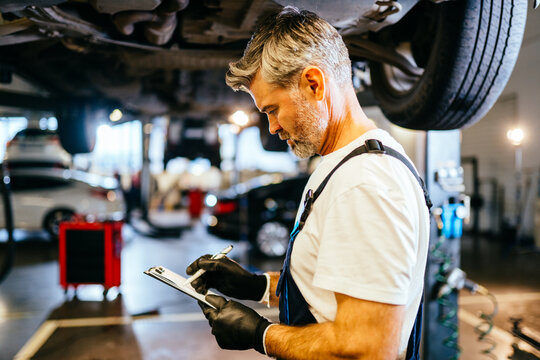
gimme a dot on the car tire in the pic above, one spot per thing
(52, 221)
(473, 46)
(77, 127)
(272, 239)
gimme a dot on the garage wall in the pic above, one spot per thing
(496, 162)
(519, 105)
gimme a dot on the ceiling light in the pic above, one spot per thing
(240, 118)
(515, 136)
(116, 115)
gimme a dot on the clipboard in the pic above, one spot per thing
(177, 281)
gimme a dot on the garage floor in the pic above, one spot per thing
(152, 321)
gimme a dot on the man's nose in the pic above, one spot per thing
(273, 126)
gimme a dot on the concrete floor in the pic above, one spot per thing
(152, 321)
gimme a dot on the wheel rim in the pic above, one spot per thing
(54, 220)
(273, 239)
(413, 40)
(399, 82)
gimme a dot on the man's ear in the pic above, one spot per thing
(312, 82)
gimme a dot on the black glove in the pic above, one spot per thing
(228, 277)
(235, 326)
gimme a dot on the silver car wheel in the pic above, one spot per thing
(272, 239)
(53, 220)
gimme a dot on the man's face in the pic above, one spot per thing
(291, 116)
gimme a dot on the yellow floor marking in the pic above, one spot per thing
(37, 340)
(478, 299)
(48, 327)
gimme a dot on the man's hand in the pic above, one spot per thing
(235, 326)
(228, 277)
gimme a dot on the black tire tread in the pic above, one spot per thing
(473, 57)
(462, 112)
(77, 127)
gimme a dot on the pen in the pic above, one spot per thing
(199, 272)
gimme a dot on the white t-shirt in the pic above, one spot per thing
(367, 235)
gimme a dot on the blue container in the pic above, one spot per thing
(452, 223)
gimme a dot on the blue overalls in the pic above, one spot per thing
(293, 308)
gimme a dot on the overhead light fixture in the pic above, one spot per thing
(515, 136)
(239, 118)
(115, 115)
(210, 200)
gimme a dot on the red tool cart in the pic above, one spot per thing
(90, 253)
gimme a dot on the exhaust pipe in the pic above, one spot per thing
(159, 24)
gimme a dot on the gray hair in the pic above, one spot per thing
(286, 43)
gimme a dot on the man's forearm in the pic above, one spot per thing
(362, 330)
(274, 278)
(317, 341)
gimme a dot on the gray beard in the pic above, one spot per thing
(309, 129)
(304, 149)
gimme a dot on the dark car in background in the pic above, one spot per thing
(261, 211)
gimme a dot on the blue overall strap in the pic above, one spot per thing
(413, 346)
(293, 308)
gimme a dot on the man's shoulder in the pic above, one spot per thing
(367, 171)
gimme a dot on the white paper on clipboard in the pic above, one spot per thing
(171, 278)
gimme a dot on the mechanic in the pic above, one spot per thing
(352, 280)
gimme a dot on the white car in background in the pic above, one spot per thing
(34, 147)
(43, 197)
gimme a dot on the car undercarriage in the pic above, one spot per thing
(155, 57)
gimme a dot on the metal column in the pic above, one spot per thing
(146, 177)
(442, 155)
